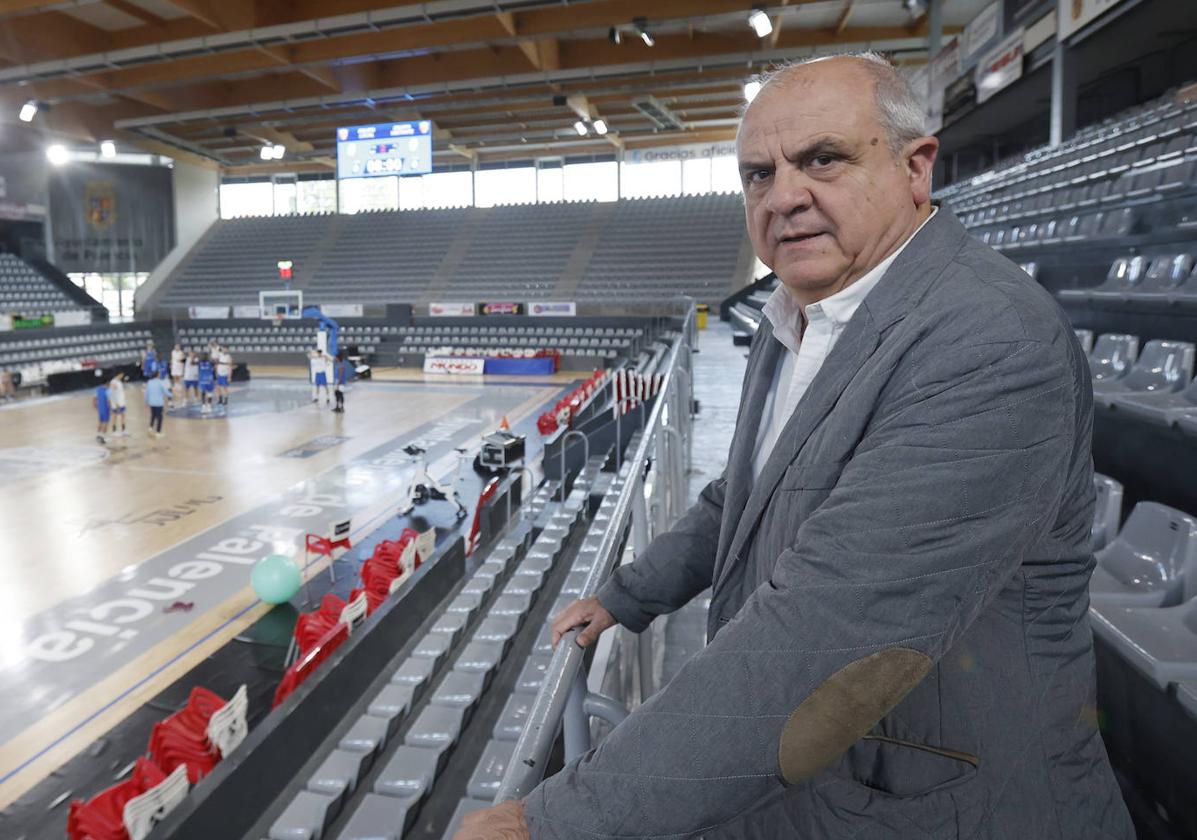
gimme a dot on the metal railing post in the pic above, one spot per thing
(585, 454)
(560, 704)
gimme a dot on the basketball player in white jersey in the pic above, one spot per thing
(177, 369)
(319, 368)
(190, 379)
(224, 373)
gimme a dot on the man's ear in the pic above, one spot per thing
(919, 156)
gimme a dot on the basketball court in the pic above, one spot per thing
(94, 609)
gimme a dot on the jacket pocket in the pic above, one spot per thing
(811, 475)
(905, 768)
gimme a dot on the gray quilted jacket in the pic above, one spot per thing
(898, 637)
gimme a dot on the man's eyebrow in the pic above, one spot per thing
(818, 146)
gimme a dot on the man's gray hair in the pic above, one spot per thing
(899, 110)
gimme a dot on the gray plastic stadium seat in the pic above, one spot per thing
(305, 818)
(380, 818)
(409, 773)
(1160, 643)
(466, 603)
(1124, 275)
(484, 781)
(512, 604)
(526, 582)
(464, 807)
(1107, 512)
(451, 625)
(1161, 408)
(513, 717)
(338, 774)
(1165, 279)
(436, 728)
(1162, 367)
(434, 646)
(480, 657)
(1148, 562)
(392, 704)
(1112, 356)
(461, 689)
(1085, 337)
(367, 735)
(532, 674)
(416, 671)
(574, 583)
(544, 642)
(480, 585)
(496, 629)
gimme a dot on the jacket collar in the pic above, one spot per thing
(909, 278)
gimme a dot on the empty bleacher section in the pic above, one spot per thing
(388, 344)
(23, 290)
(654, 249)
(635, 252)
(239, 258)
(37, 354)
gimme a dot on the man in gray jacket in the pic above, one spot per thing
(898, 643)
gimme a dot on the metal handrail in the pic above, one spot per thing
(527, 766)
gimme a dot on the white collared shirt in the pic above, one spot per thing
(825, 321)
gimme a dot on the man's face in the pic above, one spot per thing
(826, 199)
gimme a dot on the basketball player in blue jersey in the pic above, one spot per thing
(207, 383)
(100, 402)
(149, 361)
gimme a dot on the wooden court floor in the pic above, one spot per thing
(94, 537)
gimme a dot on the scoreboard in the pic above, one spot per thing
(372, 151)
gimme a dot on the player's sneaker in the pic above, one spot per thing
(100, 440)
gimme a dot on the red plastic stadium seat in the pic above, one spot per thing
(182, 738)
(312, 626)
(310, 661)
(102, 816)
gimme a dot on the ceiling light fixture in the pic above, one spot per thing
(751, 89)
(57, 154)
(278, 150)
(615, 36)
(580, 127)
(108, 149)
(600, 127)
(641, 25)
(28, 111)
(760, 23)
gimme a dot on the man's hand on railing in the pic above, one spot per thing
(586, 613)
(502, 822)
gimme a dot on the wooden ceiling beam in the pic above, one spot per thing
(135, 11)
(225, 15)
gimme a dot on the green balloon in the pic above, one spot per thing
(276, 579)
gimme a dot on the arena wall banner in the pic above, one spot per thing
(566, 309)
(451, 310)
(684, 151)
(1071, 15)
(454, 365)
(502, 308)
(342, 310)
(21, 323)
(981, 33)
(1001, 67)
(199, 312)
(72, 318)
(111, 217)
(247, 311)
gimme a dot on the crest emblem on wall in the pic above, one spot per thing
(99, 197)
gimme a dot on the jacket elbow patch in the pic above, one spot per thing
(844, 707)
